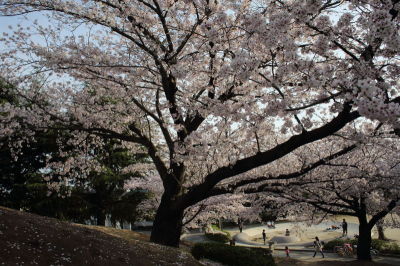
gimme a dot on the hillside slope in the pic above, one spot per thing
(29, 239)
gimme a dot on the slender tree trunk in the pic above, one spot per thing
(381, 233)
(364, 237)
(167, 225)
(101, 218)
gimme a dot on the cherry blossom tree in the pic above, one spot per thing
(211, 90)
(363, 183)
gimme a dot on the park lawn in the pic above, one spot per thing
(27, 238)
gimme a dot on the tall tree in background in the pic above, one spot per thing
(105, 190)
(212, 90)
(21, 180)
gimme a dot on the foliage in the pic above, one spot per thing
(330, 245)
(104, 190)
(383, 246)
(22, 183)
(218, 237)
(272, 210)
(233, 255)
(217, 228)
(391, 248)
(24, 175)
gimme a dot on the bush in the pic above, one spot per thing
(380, 245)
(234, 256)
(392, 248)
(215, 227)
(386, 247)
(218, 237)
(339, 242)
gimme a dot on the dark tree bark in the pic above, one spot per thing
(101, 218)
(167, 225)
(364, 239)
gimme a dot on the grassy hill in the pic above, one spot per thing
(29, 239)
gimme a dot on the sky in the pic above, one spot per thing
(5, 22)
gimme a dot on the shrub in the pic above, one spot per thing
(386, 246)
(339, 242)
(380, 245)
(215, 227)
(392, 248)
(234, 256)
(218, 237)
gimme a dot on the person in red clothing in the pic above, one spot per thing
(287, 251)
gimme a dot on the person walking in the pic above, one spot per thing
(318, 247)
(344, 227)
(264, 235)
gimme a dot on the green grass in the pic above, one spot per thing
(218, 237)
(216, 228)
(233, 255)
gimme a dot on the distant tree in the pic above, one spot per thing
(272, 210)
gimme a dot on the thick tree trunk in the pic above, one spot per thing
(364, 239)
(381, 233)
(364, 243)
(167, 225)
